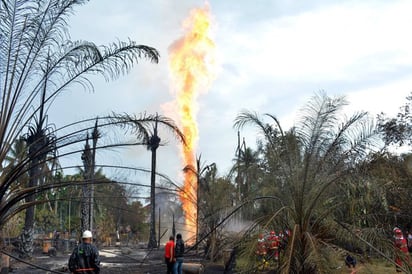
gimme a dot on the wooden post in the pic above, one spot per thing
(158, 242)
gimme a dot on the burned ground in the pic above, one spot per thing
(125, 260)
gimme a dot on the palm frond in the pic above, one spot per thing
(142, 126)
(246, 117)
(36, 50)
(307, 166)
(318, 116)
(39, 61)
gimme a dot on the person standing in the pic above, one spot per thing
(401, 247)
(85, 257)
(261, 252)
(179, 252)
(170, 255)
(409, 239)
(273, 244)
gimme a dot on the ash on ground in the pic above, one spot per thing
(134, 259)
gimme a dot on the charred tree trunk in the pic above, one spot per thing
(28, 230)
(153, 145)
(38, 145)
(89, 162)
(86, 191)
(95, 137)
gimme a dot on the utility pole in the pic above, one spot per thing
(158, 226)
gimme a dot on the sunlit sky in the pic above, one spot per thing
(272, 57)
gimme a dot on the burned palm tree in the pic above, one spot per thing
(86, 192)
(38, 59)
(152, 144)
(89, 162)
(40, 143)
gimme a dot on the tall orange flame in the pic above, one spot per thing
(191, 64)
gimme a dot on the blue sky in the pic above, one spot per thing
(272, 56)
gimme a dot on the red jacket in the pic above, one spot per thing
(169, 249)
(273, 242)
(401, 244)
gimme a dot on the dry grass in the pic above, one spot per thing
(371, 267)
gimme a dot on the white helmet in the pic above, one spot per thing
(87, 234)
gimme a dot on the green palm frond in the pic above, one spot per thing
(318, 117)
(246, 117)
(307, 166)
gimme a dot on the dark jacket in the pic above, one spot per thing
(85, 259)
(179, 248)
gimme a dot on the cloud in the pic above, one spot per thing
(323, 43)
(273, 56)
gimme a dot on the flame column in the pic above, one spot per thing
(191, 61)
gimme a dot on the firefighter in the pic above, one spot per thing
(283, 239)
(261, 251)
(273, 244)
(401, 247)
(85, 257)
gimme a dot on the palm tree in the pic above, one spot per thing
(305, 165)
(41, 142)
(214, 202)
(152, 145)
(89, 163)
(146, 129)
(86, 192)
(38, 59)
(248, 176)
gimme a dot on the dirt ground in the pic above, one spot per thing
(114, 260)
